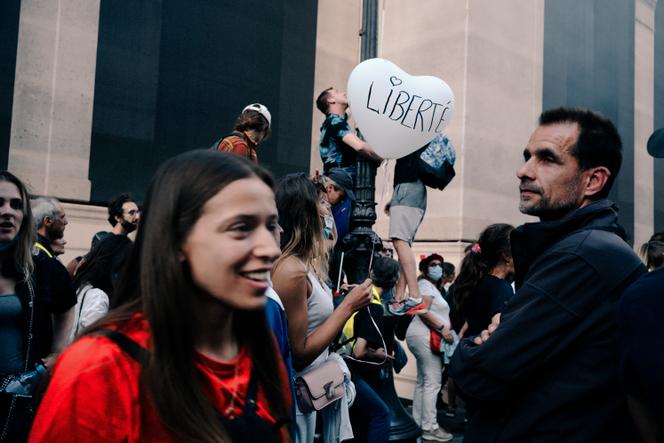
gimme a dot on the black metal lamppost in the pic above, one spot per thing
(361, 244)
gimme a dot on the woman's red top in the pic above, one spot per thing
(94, 393)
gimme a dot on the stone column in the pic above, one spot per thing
(491, 55)
(53, 96)
(644, 76)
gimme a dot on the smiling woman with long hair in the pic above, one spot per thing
(203, 366)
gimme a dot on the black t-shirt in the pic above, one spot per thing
(405, 170)
(364, 327)
(456, 318)
(488, 299)
(55, 294)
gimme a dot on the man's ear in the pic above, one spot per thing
(596, 179)
(48, 221)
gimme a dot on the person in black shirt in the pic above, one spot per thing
(124, 215)
(370, 415)
(482, 287)
(642, 362)
(50, 220)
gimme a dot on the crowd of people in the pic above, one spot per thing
(229, 317)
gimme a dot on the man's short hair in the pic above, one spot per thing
(321, 101)
(448, 269)
(43, 207)
(115, 207)
(385, 272)
(599, 143)
(341, 179)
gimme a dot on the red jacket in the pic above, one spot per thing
(239, 143)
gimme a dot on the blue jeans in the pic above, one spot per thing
(370, 416)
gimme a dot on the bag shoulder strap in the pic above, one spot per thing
(129, 346)
(80, 311)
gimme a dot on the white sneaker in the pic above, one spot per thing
(437, 434)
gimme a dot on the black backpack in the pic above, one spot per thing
(435, 165)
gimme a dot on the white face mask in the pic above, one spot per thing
(435, 272)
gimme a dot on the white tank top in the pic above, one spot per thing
(319, 308)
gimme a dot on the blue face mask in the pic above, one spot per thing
(435, 272)
(328, 227)
(4, 245)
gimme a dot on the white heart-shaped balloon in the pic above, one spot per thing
(396, 112)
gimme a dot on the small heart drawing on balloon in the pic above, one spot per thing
(396, 81)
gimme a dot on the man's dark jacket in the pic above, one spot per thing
(642, 340)
(56, 293)
(550, 371)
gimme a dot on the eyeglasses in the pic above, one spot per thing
(133, 212)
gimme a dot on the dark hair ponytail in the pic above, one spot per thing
(490, 250)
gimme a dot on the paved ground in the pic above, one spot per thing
(456, 425)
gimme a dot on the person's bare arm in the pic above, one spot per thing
(464, 328)
(433, 321)
(361, 147)
(290, 282)
(362, 351)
